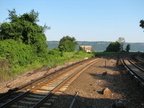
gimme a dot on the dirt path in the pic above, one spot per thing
(101, 75)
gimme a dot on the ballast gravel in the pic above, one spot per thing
(106, 73)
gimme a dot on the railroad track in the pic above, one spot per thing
(139, 58)
(44, 93)
(17, 91)
(136, 71)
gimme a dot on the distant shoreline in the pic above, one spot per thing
(101, 46)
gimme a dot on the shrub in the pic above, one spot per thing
(17, 53)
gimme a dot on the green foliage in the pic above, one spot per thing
(5, 68)
(67, 44)
(113, 47)
(30, 17)
(141, 23)
(22, 42)
(12, 15)
(83, 54)
(54, 52)
(14, 57)
(23, 46)
(16, 52)
(24, 29)
(81, 49)
(128, 47)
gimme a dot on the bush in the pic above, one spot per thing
(17, 53)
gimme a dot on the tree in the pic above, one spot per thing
(142, 24)
(23, 28)
(113, 47)
(67, 44)
(128, 47)
(121, 40)
(12, 15)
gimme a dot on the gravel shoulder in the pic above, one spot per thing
(27, 77)
(106, 73)
(90, 84)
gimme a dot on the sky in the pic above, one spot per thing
(86, 20)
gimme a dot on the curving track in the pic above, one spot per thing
(44, 93)
(135, 70)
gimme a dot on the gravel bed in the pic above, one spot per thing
(90, 85)
(27, 77)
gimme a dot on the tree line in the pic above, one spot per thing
(118, 46)
(23, 43)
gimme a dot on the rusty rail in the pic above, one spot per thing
(48, 95)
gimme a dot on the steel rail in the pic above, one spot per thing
(136, 65)
(139, 58)
(26, 93)
(60, 85)
(38, 81)
(73, 101)
(133, 73)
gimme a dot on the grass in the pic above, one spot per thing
(7, 71)
(54, 59)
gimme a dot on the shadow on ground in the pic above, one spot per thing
(133, 96)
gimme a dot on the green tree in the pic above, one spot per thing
(113, 47)
(128, 47)
(67, 44)
(24, 28)
(12, 15)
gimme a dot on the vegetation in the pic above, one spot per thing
(23, 46)
(113, 47)
(121, 40)
(100, 46)
(118, 46)
(24, 29)
(22, 43)
(128, 47)
(142, 24)
(67, 44)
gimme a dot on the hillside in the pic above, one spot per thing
(100, 46)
